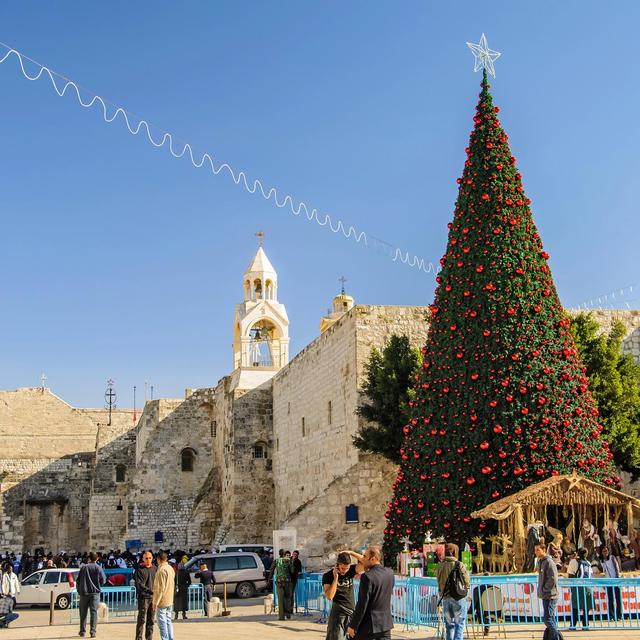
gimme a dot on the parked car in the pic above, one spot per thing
(242, 572)
(38, 587)
(261, 549)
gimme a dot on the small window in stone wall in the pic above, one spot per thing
(259, 451)
(304, 428)
(187, 458)
(329, 416)
(121, 473)
(214, 428)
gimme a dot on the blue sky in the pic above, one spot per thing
(119, 261)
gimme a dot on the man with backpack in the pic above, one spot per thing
(282, 569)
(453, 585)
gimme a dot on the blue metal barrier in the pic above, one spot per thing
(123, 602)
(599, 603)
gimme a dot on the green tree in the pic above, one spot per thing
(388, 389)
(501, 400)
(614, 382)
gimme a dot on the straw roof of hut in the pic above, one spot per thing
(560, 490)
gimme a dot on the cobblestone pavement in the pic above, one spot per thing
(247, 622)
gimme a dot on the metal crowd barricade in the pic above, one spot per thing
(122, 601)
(499, 601)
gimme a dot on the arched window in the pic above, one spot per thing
(121, 473)
(259, 451)
(187, 458)
(257, 289)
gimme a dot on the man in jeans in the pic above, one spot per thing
(143, 579)
(88, 582)
(453, 610)
(162, 600)
(548, 591)
(338, 587)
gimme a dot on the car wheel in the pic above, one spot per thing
(245, 590)
(63, 601)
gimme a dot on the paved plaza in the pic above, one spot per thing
(247, 622)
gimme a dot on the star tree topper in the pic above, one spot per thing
(484, 56)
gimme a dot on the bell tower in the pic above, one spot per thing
(260, 326)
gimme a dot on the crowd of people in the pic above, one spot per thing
(162, 584)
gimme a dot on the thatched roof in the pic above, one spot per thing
(561, 490)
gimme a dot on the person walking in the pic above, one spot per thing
(297, 570)
(208, 582)
(337, 584)
(451, 574)
(88, 583)
(282, 570)
(143, 579)
(610, 566)
(372, 615)
(163, 593)
(10, 583)
(548, 591)
(183, 582)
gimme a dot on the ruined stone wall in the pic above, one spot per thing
(47, 468)
(161, 494)
(108, 507)
(45, 503)
(249, 509)
(235, 505)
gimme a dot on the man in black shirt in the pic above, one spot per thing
(338, 587)
(208, 581)
(143, 579)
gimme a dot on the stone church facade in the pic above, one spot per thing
(269, 447)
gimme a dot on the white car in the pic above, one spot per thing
(242, 572)
(38, 587)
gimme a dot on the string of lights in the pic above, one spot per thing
(179, 149)
(622, 297)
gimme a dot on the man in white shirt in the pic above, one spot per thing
(10, 583)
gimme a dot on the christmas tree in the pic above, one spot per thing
(501, 398)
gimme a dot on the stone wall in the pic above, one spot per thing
(630, 319)
(249, 508)
(45, 503)
(161, 494)
(35, 423)
(329, 370)
(320, 523)
(108, 506)
(50, 455)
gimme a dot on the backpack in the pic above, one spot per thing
(455, 585)
(584, 570)
(282, 571)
